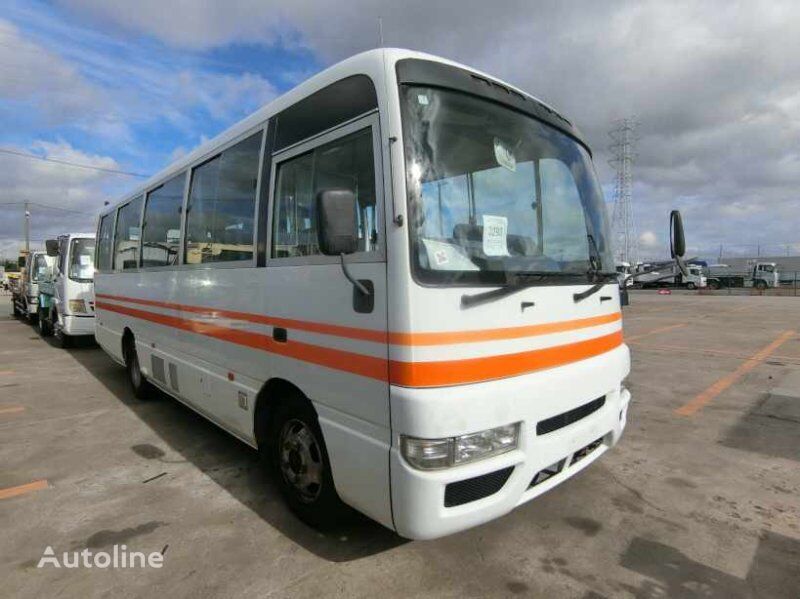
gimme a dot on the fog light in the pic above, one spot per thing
(434, 454)
(77, 306)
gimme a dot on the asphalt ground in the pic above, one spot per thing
(699, 499)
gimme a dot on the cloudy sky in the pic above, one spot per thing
(128, 86)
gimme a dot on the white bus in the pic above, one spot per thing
(395, 281)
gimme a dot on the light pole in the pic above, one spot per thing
(27, 230)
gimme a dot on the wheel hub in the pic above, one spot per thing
(301, 460)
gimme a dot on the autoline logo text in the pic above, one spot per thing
(118, 557)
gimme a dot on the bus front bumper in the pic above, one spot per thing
(427, 504)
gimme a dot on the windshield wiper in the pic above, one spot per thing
(518, 281)
(596, 275)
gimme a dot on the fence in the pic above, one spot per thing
(789, 285)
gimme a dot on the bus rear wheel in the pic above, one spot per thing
(300, 466)
(141, 388)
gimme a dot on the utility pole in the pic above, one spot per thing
(27, 229)
(626, 241)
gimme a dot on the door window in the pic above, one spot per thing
(346, 163)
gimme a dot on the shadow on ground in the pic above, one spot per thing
(232, 465)
(774, 571)
(766, 429)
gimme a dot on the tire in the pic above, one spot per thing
(44, 326)
(141, 388)
(691, 286)
(761, 284)
(64, 340)
(295, 446)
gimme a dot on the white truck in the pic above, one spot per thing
(66, 306)
(670, 275)
(761, 275)
(35, 267)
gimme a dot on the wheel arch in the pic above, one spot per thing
(271, 394)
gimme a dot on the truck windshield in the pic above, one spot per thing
(40, 269)
(81, 265)
(494, 193)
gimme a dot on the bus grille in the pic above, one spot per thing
(472, 489)
(561, 420)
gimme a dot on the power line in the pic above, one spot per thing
(47, 206)
(72, 164)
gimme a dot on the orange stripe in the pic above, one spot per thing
(368, 366)
(414, 339)
(459, 372)
(36, 485)
(409, 374)
(448, 338)
(313, 327)
(726, 381)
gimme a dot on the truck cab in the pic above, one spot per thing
(66, 306)
(695, 279)
(765, 274)
(37, 268)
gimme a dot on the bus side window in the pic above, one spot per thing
(222, 205)
(345, 163)
(104, 243)
(126, 236)
(161, 224)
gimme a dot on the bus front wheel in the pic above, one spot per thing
(300, 466)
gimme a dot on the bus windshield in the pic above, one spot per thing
(494, 193)
(81, 265)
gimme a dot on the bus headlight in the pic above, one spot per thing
(434, 454)
(77, 306)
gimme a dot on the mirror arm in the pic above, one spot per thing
(358, 285)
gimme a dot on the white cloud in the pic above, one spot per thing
(648, 239)
(42, 80)
(714, 84)
(62, 198)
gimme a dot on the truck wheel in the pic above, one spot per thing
(45, 330)
(761, 284)
(64, 340)
(300, 466)
(690, 285)
(141, 388)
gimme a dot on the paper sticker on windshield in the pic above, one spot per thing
(85, 260)
(495, 229)
(504, 155)
(422, 99)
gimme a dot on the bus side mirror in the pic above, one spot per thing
(52, 247)
(336, 217)
(677, 240)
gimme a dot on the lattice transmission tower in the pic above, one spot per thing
(623, 224)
